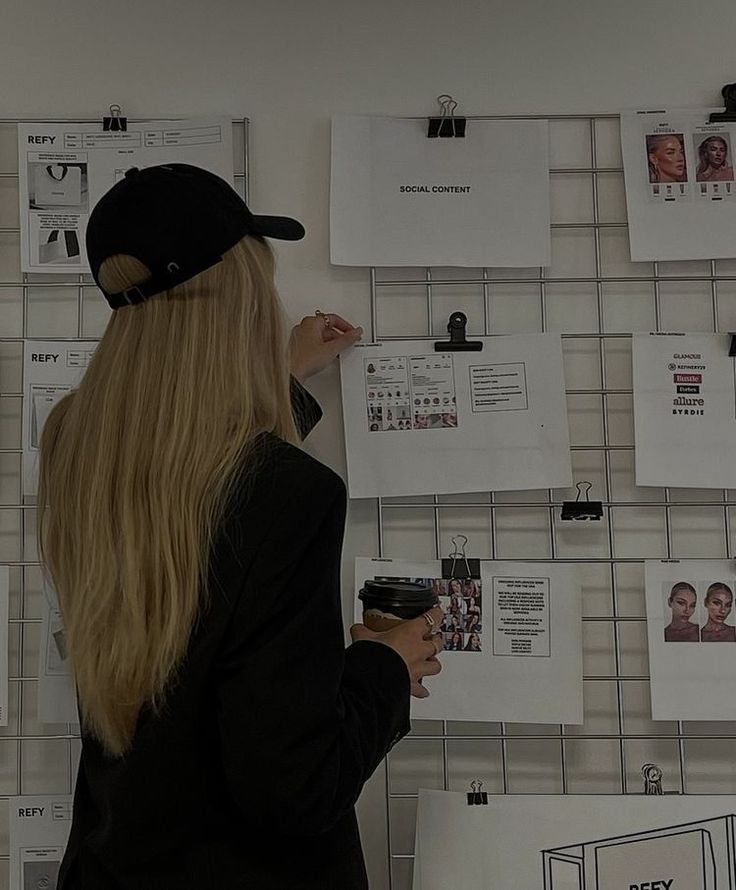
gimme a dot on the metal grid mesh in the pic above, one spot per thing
(37, 758)
(595, 297)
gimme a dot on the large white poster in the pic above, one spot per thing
(398, 198)
(689, 608)
(684, 410)
(575, 842)
(51, 369)
(4, 665)
(39, 830)
(66, 168)
(512, 641)
(424, 422)
(680, 189)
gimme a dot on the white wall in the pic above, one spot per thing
(289, 65)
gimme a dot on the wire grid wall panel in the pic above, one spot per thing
(37, 758)
(595, 297)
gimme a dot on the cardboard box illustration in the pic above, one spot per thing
(695, 856)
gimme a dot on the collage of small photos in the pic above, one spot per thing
(675, 159)
(460, 599)
(698, 612)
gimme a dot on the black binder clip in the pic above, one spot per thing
(457, 343)
(652, 776)
(115, 122)
(458, 565)
(582, 509)
(476, 796)
(729, 94)
(446, 125)
(732, 346)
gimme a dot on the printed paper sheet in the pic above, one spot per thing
(575, 842)
(680, 189)
(512, 641)
(39, 830)
(51, 369)
(689, 608)
(684, 410)
(66, 168)
(398, 198)
(57, 699)
(424, 422)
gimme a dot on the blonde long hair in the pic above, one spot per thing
(136, 468)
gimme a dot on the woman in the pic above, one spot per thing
(454, 641)
(713, 163)
(455, 589)
(195, 549)
(473, 644)
(682, 601)
(473, 623)
(666, 158)
(718, 602)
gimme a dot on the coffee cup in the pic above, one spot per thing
(387, 603)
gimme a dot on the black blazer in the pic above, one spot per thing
(250, 777)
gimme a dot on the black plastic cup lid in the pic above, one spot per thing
(400, 591)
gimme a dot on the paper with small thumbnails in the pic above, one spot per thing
(51, 369)
(39, 831)
(512, 640)
(680, 187)
(398, 198)
(64, 169)
(421, 421)
(690, 608)
(684, 410)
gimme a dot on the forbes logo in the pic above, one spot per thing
(688, 388)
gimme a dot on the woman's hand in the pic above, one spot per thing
(416, 642)
(317, 340)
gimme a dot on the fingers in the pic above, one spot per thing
(335, 345)
(429, 620)
(418, 691)
(338, 322)
(361, 632)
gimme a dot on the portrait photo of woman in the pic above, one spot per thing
(473, 623)
(713, 162)
(473, 644)
(682, 602)
(666, 158)
(718, 603)
(454, 642)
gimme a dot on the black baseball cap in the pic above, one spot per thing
(178, 220)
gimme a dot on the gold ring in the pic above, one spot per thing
(325, 316)
(428, 618)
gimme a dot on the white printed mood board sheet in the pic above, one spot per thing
(65, 168)
(4, 666)
(575, 842)
(680, 189)
(398, 198)
(57, 699)
(39, 830)
(690, 603)
(51, 369)
(419, 421)
(684, 410)
(512, 641)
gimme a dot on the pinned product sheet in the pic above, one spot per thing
(399, 198)
(65, 168)
(680, 188)
(689, 609)
(512, 641)
(51, 369)
(39, 831)
(684, 410)
(4, 666)
(575, 842)
(57, 700)
(424, 422)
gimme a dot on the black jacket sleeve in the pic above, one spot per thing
(303, 721)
